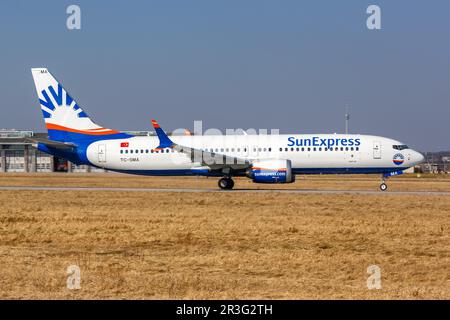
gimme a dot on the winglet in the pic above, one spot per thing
(164, 140)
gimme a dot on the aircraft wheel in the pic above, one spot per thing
(226, 183)
(383, 187)
(231, 181)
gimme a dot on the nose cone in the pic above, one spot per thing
(418, 158)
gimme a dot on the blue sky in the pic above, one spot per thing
(292, 65)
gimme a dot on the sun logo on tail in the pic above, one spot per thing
(61, 112)
(52, 104)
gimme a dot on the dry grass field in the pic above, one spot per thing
(170, 245)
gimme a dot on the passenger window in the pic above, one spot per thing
(270, 149)
(303, 149)
(320, 149)
(314, 149)
(121, 151)
(238, 150)
(286, 149)
(131, 151)
(357, 148)
(126, 151)
(281, 149)
(309, 149)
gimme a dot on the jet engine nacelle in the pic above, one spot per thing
(271, 171)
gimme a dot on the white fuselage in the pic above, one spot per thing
(321, 153)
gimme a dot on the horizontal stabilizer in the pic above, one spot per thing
(52, 143)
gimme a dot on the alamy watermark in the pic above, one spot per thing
(373, 22)
(374, 280)
(234, 147)
(73, 21)
(74, 277)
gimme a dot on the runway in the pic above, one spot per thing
(206, 190)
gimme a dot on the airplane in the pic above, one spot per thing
(72, 135)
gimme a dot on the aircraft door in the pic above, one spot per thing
(377, 150)
(102, 153)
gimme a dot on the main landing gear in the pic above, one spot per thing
(383, 185)
(226, 183)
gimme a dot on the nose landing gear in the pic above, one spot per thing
(383, 185)
(226, 183)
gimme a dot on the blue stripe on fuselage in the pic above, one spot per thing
(188, 172)
(171, 172)
(345, 170)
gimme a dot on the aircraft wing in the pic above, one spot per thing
(213, 160)
(52, 143)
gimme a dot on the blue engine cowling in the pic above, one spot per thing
(271, 171)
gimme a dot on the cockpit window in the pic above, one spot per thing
(400, 146)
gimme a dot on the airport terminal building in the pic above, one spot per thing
(18, 155)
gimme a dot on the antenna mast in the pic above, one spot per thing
(347, 119)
